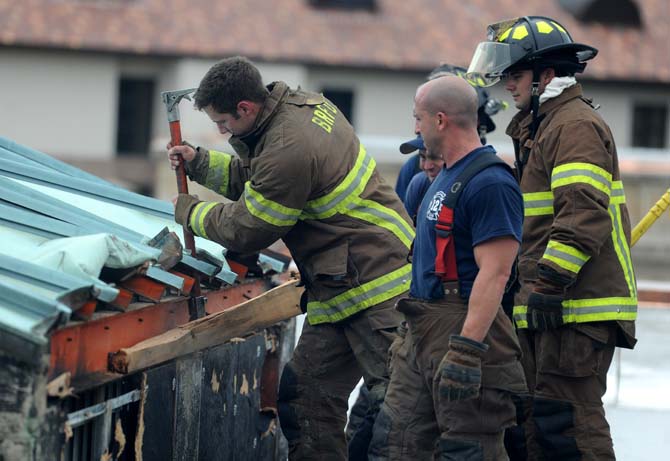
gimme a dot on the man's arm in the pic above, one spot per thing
(582, 187)
(494, 259)
(220, 172)
(269, 207)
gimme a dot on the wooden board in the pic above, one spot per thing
(271, 307)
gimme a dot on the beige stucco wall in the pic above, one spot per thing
(59, 102)
(65, 104)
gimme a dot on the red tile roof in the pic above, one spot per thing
(400, 34)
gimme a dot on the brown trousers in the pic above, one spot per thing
(566, 371)
(415, 423)
(326, 366)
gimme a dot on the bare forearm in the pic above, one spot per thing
(487, 292)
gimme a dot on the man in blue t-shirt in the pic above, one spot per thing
(453, 374)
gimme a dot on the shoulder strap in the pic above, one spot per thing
(482, 162)
(445, 257)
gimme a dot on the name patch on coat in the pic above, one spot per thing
(324, 116)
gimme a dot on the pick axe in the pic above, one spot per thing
(171, 100)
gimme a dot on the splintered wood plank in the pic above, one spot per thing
(280, 303)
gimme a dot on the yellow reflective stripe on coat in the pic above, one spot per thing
(622, 249)
(196, 220)
(350, 188)
(618, 196)
(359, 298)
(538, 203)
(565, 256)
(587, 310)
(542, 203)
(582, 173)
(218, 173)
(389, 219)
(345, 199)
(267, 210)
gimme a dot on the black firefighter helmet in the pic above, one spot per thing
(530, 42)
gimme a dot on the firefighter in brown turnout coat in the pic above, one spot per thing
(303, 176)
(578, 298)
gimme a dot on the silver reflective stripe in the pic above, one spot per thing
(564, 256)
(608, 308)
(539, 203)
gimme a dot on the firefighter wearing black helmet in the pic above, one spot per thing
(577, 299)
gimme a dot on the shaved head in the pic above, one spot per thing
(451, 95)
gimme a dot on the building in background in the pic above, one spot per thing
(81, 79)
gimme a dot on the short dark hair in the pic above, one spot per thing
(227, 83)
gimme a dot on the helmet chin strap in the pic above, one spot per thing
(535, 100)
(522, 158)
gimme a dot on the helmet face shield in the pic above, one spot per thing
(489, 62)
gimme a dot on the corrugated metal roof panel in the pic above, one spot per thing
(53, 284)
(59, 226)
(29, 315)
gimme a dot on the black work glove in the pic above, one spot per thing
(545, 311)
(461, 369)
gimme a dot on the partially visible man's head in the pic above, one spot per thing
(228, 82)
(519, 84)
(231, 93)
(443, 102)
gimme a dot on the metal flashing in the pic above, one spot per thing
(58, 282)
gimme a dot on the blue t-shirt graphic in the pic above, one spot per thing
(490, 206)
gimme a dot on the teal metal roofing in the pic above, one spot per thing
(46, 202)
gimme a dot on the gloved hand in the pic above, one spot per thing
(545, 311)
(461, 369)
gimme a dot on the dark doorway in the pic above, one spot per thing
(135, 110)
(343, 99)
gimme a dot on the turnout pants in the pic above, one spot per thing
(415, 422)
(326, 366)
(566, 370)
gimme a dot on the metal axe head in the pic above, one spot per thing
(172, 99)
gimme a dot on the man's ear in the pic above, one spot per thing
(441, 119)
(245, 107)
(547, 75)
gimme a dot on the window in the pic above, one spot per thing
(343, 99)
(650, 125)
(134, 116)
(607, 12)
(369, 5)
